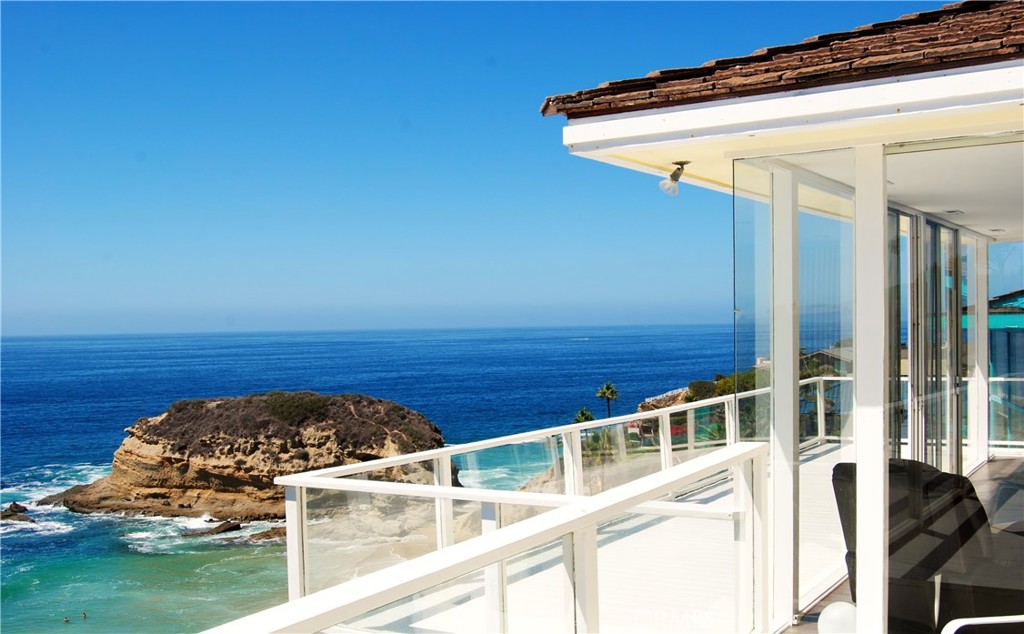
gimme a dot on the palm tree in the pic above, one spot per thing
(609, 394)
(583, 416)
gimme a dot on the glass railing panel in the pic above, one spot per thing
(526, 466)
(459, 605)
(682, 439)
(421, 472)
(822, 549)
(1006, 411)
(808, 411)
(669, 574)
(536, 596)
(839, 409)
(754, 415)
(525, 593)
(611, 459)
(466, 520)
(351, 534)
(643, 435)
(709, 426)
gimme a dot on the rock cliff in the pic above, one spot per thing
(220, 456)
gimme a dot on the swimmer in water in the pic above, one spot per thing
(83, 616)
(67, 620)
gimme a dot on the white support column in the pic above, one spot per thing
(572, 458)
(295, 525)
(495, 579)
(979, 397)
(870, 390)
(444, 511)
(785, 399)
(580, 555)
(665, 439)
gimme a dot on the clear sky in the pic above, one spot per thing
(172, 167)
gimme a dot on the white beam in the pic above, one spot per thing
(295, 522)
(585, 592)
(980, 395)
(785, 396)
(870, 390)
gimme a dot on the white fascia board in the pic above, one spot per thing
(893, 96)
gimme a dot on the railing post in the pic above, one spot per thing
(665, 439)
(444, 509)
(759, 533)
(751, 534)
(579, 559)
(743, 535)
(691, 430)
(295, 524)
(495, 583)
(731, 428)
(820, 409)
(572, 458)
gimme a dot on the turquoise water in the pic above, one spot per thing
(66, 402)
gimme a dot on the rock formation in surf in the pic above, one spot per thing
(220, 456)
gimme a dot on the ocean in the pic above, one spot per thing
(65, 402)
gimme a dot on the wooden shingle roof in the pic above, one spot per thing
(962, 34)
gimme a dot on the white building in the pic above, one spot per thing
(894, 154)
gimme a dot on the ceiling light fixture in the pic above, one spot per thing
(671, 184)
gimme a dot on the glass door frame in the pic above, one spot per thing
(929, 364)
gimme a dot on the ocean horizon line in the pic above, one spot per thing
(324, 331)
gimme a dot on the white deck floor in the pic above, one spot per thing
(656, 574)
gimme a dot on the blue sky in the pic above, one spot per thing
(172, 167)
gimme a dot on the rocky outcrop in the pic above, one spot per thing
(15, 513)
(276, 533)
(223, 527)
(220, 456)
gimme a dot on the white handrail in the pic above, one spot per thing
(524, 437)
(498, 496)
(348, 600)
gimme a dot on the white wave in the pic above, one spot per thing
(479, 478)
(35, 528)
(33, 484)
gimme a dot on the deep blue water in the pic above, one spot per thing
(65, 402)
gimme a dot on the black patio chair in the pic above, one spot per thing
(945, 561)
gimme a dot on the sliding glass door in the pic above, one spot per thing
(928, 340)
(942, 335)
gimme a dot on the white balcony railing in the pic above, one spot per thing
(331, 512)
(350, 527)
(470, 586)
